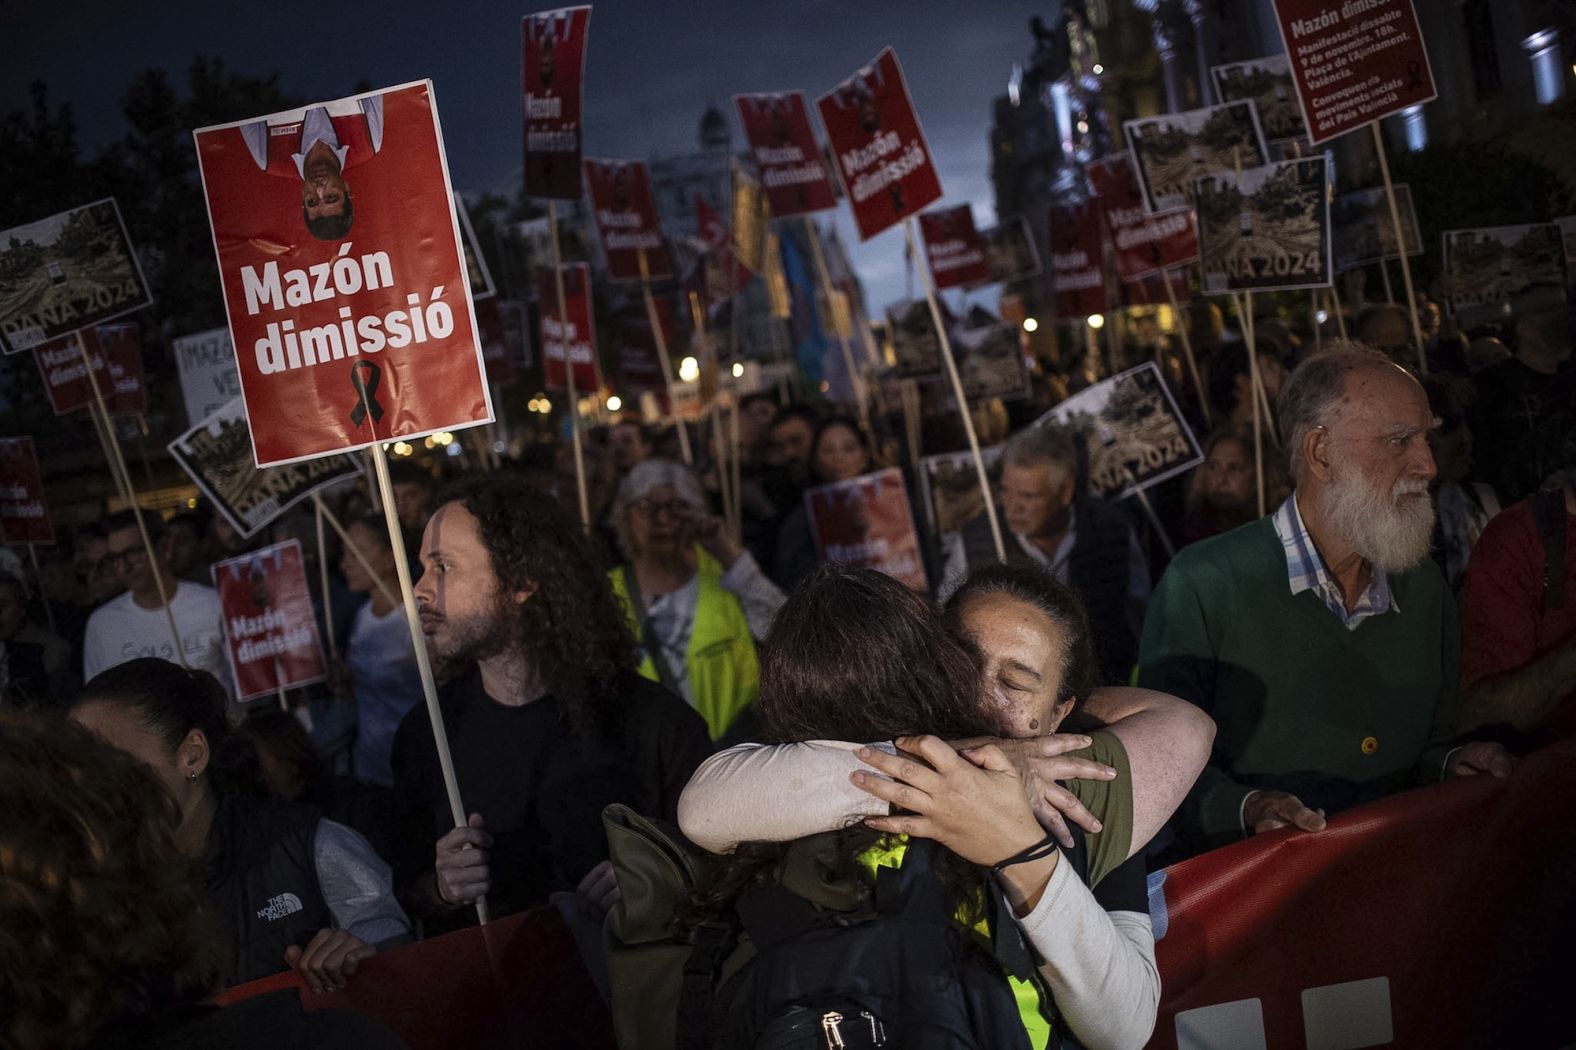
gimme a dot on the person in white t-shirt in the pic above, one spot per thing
(136, 624)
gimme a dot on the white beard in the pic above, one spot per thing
(1388, 531)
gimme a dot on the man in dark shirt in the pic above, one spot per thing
(546, 719)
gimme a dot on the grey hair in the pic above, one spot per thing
(1042, 445)
(1314, 387)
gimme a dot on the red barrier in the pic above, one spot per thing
(1437, 918)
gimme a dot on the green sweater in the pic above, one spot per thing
(1301, 703)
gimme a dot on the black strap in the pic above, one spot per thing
(1041, 849)
(698, 1017)
(648, 634)
(1548, 511)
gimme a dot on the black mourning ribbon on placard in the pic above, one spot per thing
(1414, 70)
(365, 377)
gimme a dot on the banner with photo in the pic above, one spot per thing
(116, 353)
(953, 247)
(627, 219)
(950, 488)
(270, 629)
(1266, 82)
(782, 142)
(1362, 231)
(1132, 429)
(916, 345)
(1268, 227)
(209, 377)
(1485, 267)
(866, 523)
(344, 280)
(1010, 251)
(878, 148)
(1171, 152)
(1143, 242)
(1077, 259)
(71, 271)
(24, 512)
(552, 96)
(990, 360)
(574, 329)
(217, 455)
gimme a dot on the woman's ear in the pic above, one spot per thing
(193, 755)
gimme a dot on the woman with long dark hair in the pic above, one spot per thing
(293, 889)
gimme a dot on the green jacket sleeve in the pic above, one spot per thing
(1441, 734)
(1111, 801)
(1178, 655)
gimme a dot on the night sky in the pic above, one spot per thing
(653, 67)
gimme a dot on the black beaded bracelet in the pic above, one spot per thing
(1044, 848)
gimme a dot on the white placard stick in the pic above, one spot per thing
(569, 369)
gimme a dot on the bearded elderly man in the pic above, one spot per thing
(1322, 639)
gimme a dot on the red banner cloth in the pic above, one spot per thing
(880, 151)
(552, 95)
(785, 151)
(514, 984)
(1441, 917)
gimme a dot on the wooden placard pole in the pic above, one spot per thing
(355, 551)
(1187, 347)
(661, 339)
(1400, 247)
(957, 391)
(829, 293)
(569, 369)
(322, 573)
(43, 591)
(733, 441)
(279, 686)
(429, 688)
(117, 462)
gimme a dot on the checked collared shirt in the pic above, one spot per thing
(1305, 571)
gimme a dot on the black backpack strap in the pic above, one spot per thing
(1548, 512)
(648, 634)
(698, 1014)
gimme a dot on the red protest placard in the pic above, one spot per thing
(116, 353)
(24, 514)
(552, 94)
(269, 627)
(578, 334)
(954, 247)
(866, 522)
(880, 151)
(783, 144)
(346, 291)
(1355, 62)
(1145, 242)
(626, 219)
(1077, 259)
(639, 364)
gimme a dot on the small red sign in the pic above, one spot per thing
(954, 247)
(783, 144)
(879, 149)
(1077, 259)
(1145, 242)
(1355, 62)
(552, 94)
(116, 353)
(578, 334)
(866, 522)
(269, 626)
(24, 513)
(626, 219)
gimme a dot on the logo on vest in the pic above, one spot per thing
(280, 906)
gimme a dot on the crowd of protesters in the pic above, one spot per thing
(1054, 724)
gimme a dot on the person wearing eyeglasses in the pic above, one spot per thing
(136, 624)
(695, 599)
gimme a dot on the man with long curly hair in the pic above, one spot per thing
(547, 720)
